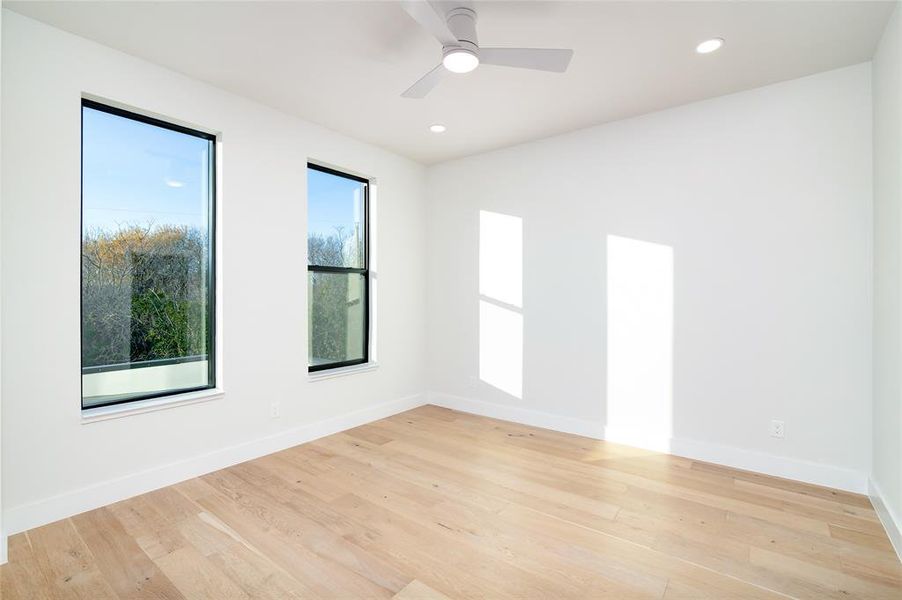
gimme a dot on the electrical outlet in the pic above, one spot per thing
(777, 429)
(274, 410)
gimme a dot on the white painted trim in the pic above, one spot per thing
(892, 522)
(831, 476)
(341, 372)
(515, 414)
(730, 456)
(116, 411)
(48, 510)
(3, 546)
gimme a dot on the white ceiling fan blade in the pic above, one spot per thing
(425, 83)
(431, 20)
(540, 59)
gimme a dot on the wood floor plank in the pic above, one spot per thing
(417, 590)
(128, 570)
(569, 475)
(21, 577)
(786, 484)
(156, 522)
(475, 524)
(323, 561)
(240, 561)
(878, 541)
(434, 504)
(67, 563)
(459, 570)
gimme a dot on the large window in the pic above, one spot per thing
(147, 263)
(337, 269)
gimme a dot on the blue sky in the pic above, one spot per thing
(138, 174)
(332, 201)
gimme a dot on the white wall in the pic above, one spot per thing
(52, 462)
(3, 545)
(887, 95)
(743, 230)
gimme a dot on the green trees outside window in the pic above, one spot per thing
(147, 303)
(337, 271)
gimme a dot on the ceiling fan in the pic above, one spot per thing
(456, 30)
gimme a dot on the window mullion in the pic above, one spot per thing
(330, 269)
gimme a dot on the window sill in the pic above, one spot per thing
(341, 372)
(105, 413)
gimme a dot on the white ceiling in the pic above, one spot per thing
(344, 64)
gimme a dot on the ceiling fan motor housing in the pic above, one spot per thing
(462, 23)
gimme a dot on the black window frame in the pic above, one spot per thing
(365, 272)
(211, 266)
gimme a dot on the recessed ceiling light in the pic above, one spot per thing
(437, 128)
(709, 46)
(460, 61)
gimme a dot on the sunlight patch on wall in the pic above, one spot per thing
(501, 348)
(501, 257)
(640, 341)
(501, 302)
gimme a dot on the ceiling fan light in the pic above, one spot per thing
(460, 61)
(709, 46)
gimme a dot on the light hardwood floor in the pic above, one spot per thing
(433, 503)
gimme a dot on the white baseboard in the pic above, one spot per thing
(892, 522)
(48, 510)
(3, 554)
(524, 416)
(730, 456)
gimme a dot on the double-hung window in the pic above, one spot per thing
(337, 269)
(147, 259)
